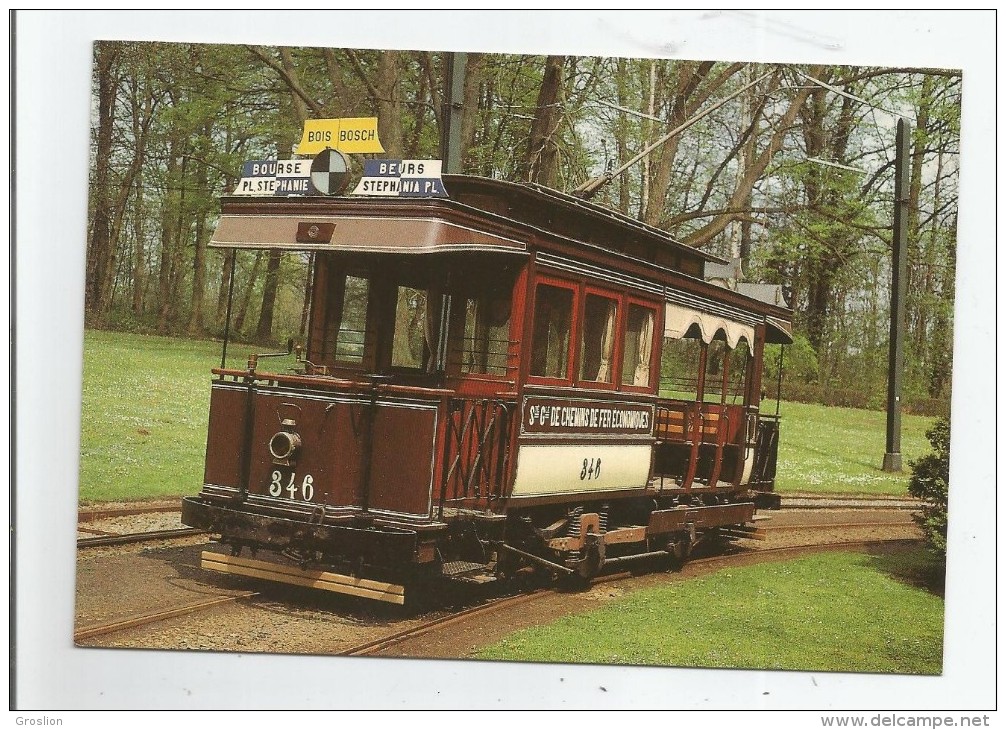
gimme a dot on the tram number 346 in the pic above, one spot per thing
(591, 469)
(306, 488)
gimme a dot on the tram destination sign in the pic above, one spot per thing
(350, 135)
(574, 416)
(275, 177)
(401, 179)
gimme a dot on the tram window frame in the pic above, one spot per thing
(697, 362)
(477, 311)
(573, 327)
(328, 315)
(338, 326)
(617, 300)
(654, 364)
(737, 394)
(722, 357)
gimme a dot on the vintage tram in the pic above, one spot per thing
(504, 380)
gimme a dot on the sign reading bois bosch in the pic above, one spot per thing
(352, 135)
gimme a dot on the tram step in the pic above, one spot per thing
(459, 568)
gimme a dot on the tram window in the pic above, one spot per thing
(712, 392)
(487, 334)
(738, 359)
(415, 329)
(553, 308)
(679, 368)
(349, 338)
(597, 342)
(638, 346)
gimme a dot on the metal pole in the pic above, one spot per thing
(230, 300)
(454, 91)
(896, 357)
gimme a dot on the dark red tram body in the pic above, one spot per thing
(481, 392)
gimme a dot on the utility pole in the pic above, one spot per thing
(899, 244)
(454, 92)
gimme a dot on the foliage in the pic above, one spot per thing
(830, 612)
(930, 482)
(799, 362)
(757, 178)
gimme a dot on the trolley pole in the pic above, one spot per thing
(896, 358)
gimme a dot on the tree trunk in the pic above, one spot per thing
(225, 288)
(239, 320)
(388, 103)
(196, 325)
(305, 310)
(169, 220)
(263, 333)
(541, 163)
(100, 248)
(708, 232)
(139, 269)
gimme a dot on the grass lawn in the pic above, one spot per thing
(145, 403)
(840, 450)
(830, 612)
(145, 409)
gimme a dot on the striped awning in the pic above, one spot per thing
(678, 320)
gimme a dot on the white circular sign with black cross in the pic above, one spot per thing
(330, 172)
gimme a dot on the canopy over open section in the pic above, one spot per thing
(342, 226)
(679, 320)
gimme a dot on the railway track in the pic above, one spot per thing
(103, 540)
(372, 648)
(132, 622)
(93, 514)
(847, 503)
(498, 604)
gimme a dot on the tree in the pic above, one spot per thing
(930, 482)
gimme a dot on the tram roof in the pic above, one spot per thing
(482, 215)
(578, 218)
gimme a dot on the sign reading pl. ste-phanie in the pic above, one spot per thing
(401, 179)
(573, 416)
(275, 177)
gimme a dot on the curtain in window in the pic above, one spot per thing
(607, 346)
(431, 303)
(642, 374)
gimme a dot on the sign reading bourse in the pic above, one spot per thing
(275, 177)
(402, 179)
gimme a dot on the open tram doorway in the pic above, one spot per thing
(433, 321)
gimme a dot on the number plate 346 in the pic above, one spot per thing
(287, 485)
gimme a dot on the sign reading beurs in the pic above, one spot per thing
(571, 416)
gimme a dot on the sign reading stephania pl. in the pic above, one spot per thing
(401, 178)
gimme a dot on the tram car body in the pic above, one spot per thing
(480, 394)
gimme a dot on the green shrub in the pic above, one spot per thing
(930, 482)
